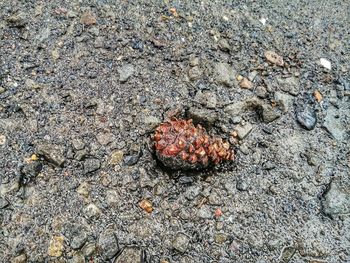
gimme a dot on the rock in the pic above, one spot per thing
(290, 85)
(192, 192)
(88, 18)
(79, 239)
(287, 254)
(89, 249)
(31, 84)
(78, 144)
(221, 238)
(2, 139)
(3, 203)
(31, 170)
(2, 90)
(105, 138)
(337, 199)
(81, 154)
(56, 246)
(204, 212)
(224, 74)
(241, 184)
(108, 244)
(306, 117)
(131, 159)
(125, 72)
(261, 92)
(92, 211)
(9, 187)
(194, 73)
(84, 189)
(269, 114)
(77, 258)
(274, 58)
(150, 122)
(243, 130)
(129, 255)
(224, 45)
(180, 243)
(206, 98)
(18, 20)
(91, 165)
(325, 63)
(203, 116)
(194, 61)
(52, 153)
(252, 75)
(116, 157)
(20, 259)
(332, 123)
(284, 100)
(246, 84)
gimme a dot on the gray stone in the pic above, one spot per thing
(284, 100)
(108, 244)
(78, 144)
(204, 212)
(224, 74)
(307, 118)
(243, 130)
(150, 122)
(224, 45)
(333, 125)
(129, 255)
(269, 114)
(20, 259)
(19, 19)
(241, 184)
(287, 254)
(91, 165)
(79, 239)
(89, 249)
(104, 138)
(337, 199)
(203, 116)
(194, 73)
(3, 203)
(192, 192)
(181, 242)
(77, 258)
(125, 72)
(290, 85)
(131, 159)
(206, 98)
(92, 211)
(261, 92)
(52, 153)
(81, 154)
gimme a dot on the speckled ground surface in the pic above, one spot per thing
(84, 83)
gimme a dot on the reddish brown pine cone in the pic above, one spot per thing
(181, 145)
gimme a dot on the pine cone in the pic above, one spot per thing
(181, 145)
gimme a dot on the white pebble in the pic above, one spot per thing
(326, 63)
(263, 20)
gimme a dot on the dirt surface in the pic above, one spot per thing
(84, 83)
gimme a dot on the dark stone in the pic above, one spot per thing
(307, 118)
(30, 171)
(131, 159)
(241, 185)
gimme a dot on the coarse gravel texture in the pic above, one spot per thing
(84, 83)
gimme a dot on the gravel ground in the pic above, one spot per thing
(84, 83)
